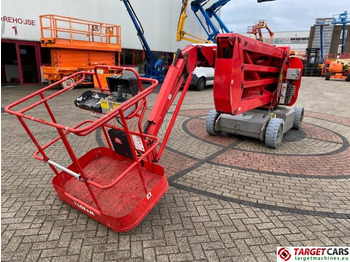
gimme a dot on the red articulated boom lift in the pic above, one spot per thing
(256, 31)
(118, 184)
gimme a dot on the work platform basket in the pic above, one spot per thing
(116, 183)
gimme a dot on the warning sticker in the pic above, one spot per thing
(138, 143)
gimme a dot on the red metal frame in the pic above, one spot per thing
(249, 73)
(82, 179)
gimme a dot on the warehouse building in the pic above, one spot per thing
(332, 38)
(23, 56)
(297, 40)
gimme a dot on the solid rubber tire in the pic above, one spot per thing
(328, 76)
(347, 77)
(210, 123)
(274, 133)
(298, 117)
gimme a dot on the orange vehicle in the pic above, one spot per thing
(256, 31)
(339, 69)
(78, 45)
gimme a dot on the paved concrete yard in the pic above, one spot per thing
(230, 198)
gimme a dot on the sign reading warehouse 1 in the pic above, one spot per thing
(15, 27)
(19, 22)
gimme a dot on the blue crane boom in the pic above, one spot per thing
(321, 23)
(211, 30)
(343, 19)
(153, 67)
(213, 9)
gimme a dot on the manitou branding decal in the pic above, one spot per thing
(292, 254)
(84, 208)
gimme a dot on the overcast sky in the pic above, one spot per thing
(281, 15)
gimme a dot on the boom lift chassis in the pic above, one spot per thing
(119, 184)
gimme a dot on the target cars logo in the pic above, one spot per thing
(292, 254)
(284, 254)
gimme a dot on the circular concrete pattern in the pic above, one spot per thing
(309, 173)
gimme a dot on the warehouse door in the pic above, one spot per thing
(29, 64)
(9, 64)
(20, 62)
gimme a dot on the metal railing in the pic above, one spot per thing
(61, 27)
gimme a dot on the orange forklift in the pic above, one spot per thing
(78, 45)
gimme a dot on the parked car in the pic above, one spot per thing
(201, 77)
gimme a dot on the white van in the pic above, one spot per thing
(201, 77)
